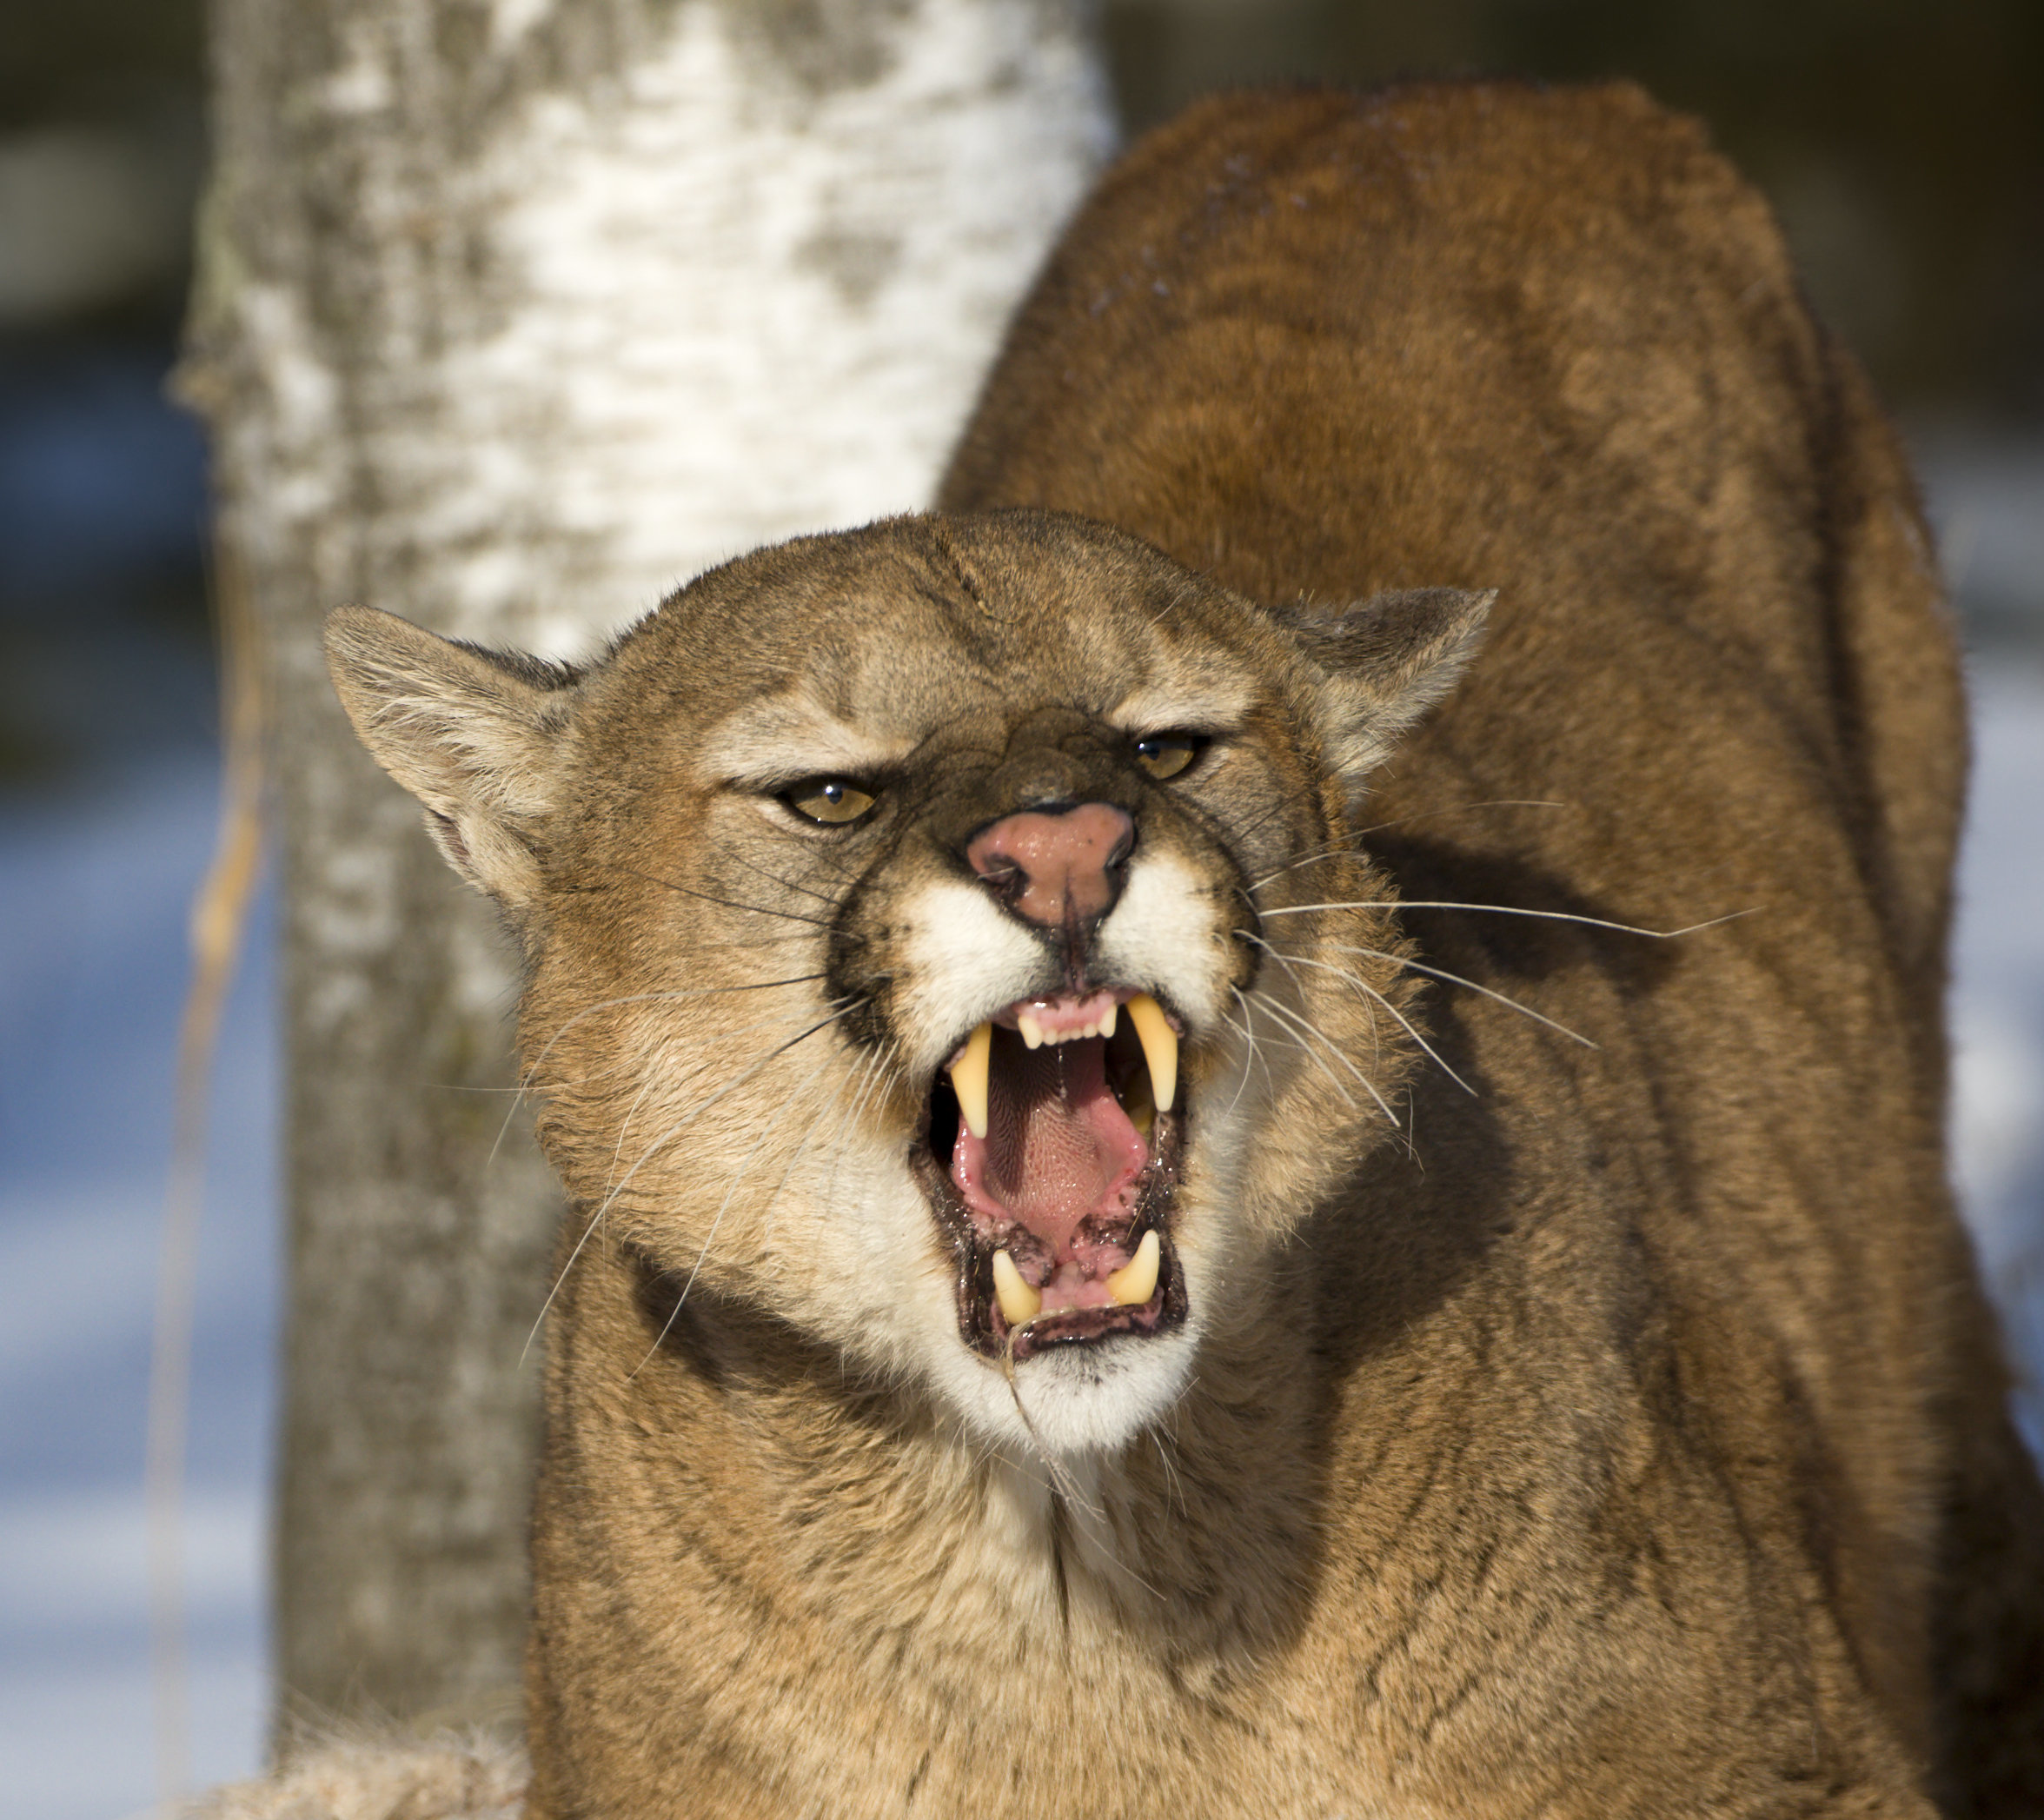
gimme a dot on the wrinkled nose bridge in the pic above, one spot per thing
(1053, 759)
(1058, 868)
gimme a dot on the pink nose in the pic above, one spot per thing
(1055, 868)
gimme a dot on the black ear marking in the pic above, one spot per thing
(446, 835)
(541, 673)
(1396, 634)
(1386, 661)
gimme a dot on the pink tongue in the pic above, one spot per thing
(1057, 1148)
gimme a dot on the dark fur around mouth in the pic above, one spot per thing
(981, 1325)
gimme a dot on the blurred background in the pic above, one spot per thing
(1901, 140)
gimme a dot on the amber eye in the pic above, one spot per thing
(833, 801)
(1165, 755)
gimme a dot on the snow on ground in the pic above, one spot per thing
(92, 972)
(1998, 1009)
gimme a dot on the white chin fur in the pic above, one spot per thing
(1078, 1400)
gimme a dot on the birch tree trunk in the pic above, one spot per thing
(513, 314)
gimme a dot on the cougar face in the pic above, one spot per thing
(923, 945)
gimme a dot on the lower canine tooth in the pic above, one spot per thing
(1019, 1302)
(968, 1079)
(1141, 1114)
(1160, 1048)
(1135, 1282)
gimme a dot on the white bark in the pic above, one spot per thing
(512, 316)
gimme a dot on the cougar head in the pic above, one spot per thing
(949, 936)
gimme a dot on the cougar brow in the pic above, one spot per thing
(787, 737)
(1209, 704)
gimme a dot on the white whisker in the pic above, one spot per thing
(1254, 1052)
(1557, 916)
(722, 1093)
(646, 1156)
(540, 1319)
(1459, 808)
(669, 995)
(632, 1112)
(526, 1082)
(1421, 966)
(1347, 851)
(710, 1237)
(1352, 846)
(1364, 986)
(873, 1075)
(1307, 1029)
(1063, 1485)
(1173, 1484)
(837, 1136)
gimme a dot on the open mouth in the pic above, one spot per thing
(1051, 1153)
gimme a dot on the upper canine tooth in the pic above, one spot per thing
(1136, 1281)
(1019, 1302)
(968, 1079)
(1032, 1032)
(1160, 1048)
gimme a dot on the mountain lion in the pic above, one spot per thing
(1255, 1120)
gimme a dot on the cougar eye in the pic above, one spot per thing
(1165, 755)
(831, 801)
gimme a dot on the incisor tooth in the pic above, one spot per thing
(1135, 1282)
(1032, 1032)
(1019, 1302)
(968, 1079)
(1160, 1047)
(1107, 1021)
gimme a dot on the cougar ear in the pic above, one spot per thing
(474, 734)
(1387, 660)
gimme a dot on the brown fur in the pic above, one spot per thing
(1626, 1437)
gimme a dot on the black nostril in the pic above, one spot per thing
(1005, 880)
